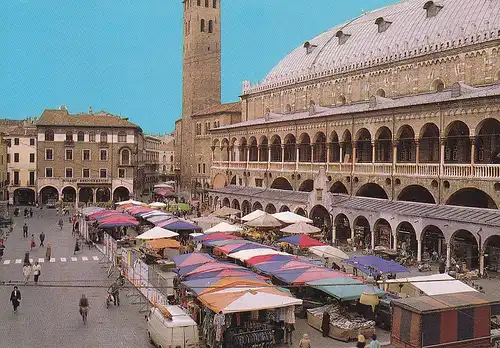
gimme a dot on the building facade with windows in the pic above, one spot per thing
(21, 136)
(86, 158)
(4, 182)
(167, 158)
(383, 129)
(148, 174)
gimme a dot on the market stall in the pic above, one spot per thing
(223, 227)
(435, 284)
(375, 266)
(253, 215)
(288, 217)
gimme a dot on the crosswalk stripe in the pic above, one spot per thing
(85, 258)
(96, 258)
(18, 260)
(63, 259)
(41, 260)
(52, 259)
(74, 259)
(6, 262)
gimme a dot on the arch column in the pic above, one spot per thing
(395, 240)
(311, 150)
(296, 157)
(417, 150)
(248, 155)
(472, 155)
(353, 159)
(372, 238)
(268, 157)
(334, 233)
(419, 250)
(213, 153)
(94, 194)
(341, 153)
(441, 156)
(328, 156)
(282, 156)
(374, 152)
(448, 255)
(395, 144)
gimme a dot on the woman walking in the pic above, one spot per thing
(48, 252)
(36, 271)
(33, 244)
(27, 273)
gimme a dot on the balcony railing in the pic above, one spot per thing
(487, 171)
(457, 170)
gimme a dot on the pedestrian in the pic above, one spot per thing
(325, 324)
(15, 298)
(31, 212)
(115, 291)
(42, 238)
(48, 252)
(361, 340)
(442, 266)
(77, 247)
(36, 271)
(374, 343)
(26, 259)
(25, 230)
(27, 273)
(33, 244)
(305, 342)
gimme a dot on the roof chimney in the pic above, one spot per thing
(63, 107)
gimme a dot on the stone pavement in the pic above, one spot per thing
(48, 315)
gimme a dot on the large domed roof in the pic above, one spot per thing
(397, 32)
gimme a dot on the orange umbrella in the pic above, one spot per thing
(231, 282)
(164, 243)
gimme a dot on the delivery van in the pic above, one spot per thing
(171, 327)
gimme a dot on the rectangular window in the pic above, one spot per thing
(258, 182)
(8, 158)
(49, 154)
(69, 172)
(92, 137)
(32, 179)
(32, 142)
(16, 178)
(103, 173)
(86, 173)
(199, 168)
(32, 158)
(103, 155)
(69, 154)
(86, 155)
(48, 172)
(16, 157)
(203, 168)
(16, 141)
(122, 173)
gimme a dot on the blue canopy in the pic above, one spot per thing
(248, 246)
(270, 267)
(179, 259)
(181, 226)
(102, 217)
(118, 224)
(342, 288)
(215, 274)
(375, 266)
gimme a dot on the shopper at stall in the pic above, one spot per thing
(305, 342)
(219, 322)
(325, 324)
(361, 340)
(374, 343)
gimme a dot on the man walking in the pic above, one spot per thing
(42, 238)
(25, 230)
(15, 298)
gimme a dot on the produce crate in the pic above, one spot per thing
(337, 332)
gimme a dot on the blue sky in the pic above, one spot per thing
(124, 56)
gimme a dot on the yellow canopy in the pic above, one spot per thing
(164, 243)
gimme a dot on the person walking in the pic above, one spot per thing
(325, 324)
(48, 252)
(27, 273)
(15, 298)
(42, 238)
(361, 340)
(31, 212)
(33, 244)
(25, 230)
(77, 247)
(305, 342)
(37, 269)
(374, 343)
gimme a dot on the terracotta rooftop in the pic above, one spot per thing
(99, 119)
(221, 109)
(16, 127)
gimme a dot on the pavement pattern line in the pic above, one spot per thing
(52, 260)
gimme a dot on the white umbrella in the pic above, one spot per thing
(157, 205)
(157, 233)
(226, 211)
(248, 254)
(209, 220)
(265, 220)
(301, 228)
(157, 218)
(253, 215)
(291, 218)
(155, 213)
(224, 227)
(194, 235)
(131, 201)
(163, 186)
(328, 251)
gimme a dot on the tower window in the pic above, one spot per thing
(214, 5)
(202, 25)
(206, 3)
(198, 3)
(309, 47)
(432, 8)
(343, 37)
(382, 24)
(210, 26)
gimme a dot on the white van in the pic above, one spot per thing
(179, 331)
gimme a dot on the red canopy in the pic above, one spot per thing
(116, 219)
(213, 266)
(267, 258)
(220, 236)
(140, 209)
(103, 213)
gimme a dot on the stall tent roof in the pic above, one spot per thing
(435, 284)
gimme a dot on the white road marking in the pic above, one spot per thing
(52, 259)
(41, 260)
(74, 259)
(6, 262)
(85, 258)
(18, 260)
(96, 258)
(63, 259)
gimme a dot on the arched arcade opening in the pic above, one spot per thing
(372, 190)
(416, 193)
(24, 196)
(121, 194)
(362, 233)
(464, 249)
(49, 192)
(281, 184)
(86, 195)
(383, 233)
(270, 209)
(472, 197)
(68, 194)
(406, 239)
(103, 195)
(342, 229)
(321, 218)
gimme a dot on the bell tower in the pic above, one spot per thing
(201, 73)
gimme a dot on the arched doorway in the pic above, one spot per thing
(488, 142)
(226, 203)
(363, 146)
(406, 149)
(24, 196)
(235, 204)
(289, 150)
(472, 197)
(307, 186)
(86, 195)
(257, 206)
(383, 145)
(301, 212)
(492, 253)
(49, 192)
(68, 194)
(383, 233)
(319, 149)
(233, 180)
(121, 194)
(270, 209)
(372, 190)
(416, 193)
(457, 143)
(281, 184)
(407, 238)
(253, 150)
(433, 241)
(362, 233)
(305, 148)
(103, 195)
(246, 208)
(321, 218)
(464, 248)
(342, 229)
(284, 208)
(219, 181)
(429, 144)
(339, 187)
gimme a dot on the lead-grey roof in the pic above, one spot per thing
(442, 212)
(256, 193)
(459, 23)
